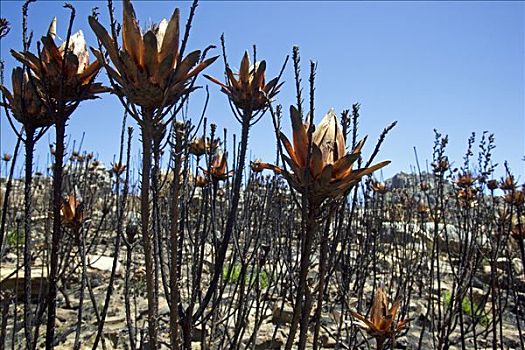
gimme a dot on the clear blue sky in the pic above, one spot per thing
(454, 66)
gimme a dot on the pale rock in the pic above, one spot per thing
(103, 263)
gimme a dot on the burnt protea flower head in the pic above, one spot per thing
(118, 168)
(25, 102)
(465, 181)
(4, 27)
(63, 74)
(329, 172)
(441, 165)
(382, 323)
(492, 184)
(72, 212)
(6, 157)
(518, 228)
(197, 146)
(202, 145)
(508, 184)
(248, 89)
(422, 208)
(148, 69)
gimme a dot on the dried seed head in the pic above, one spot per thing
(467, 197)
(132, 229)
(425, 186)
(422, 208)
(197, 146)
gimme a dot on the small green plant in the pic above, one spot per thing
(232, 275)
(469, 308)
(15, 238)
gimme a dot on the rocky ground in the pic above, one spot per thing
(271, 334)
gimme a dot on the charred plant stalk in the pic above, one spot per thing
(380, 343)
(322, 283)
(155, 210)
(127, 303)
(29, 144)
(174, 237)
(58, 169)
(82, 250)
(5, 313)
(147, 139)
(130, 242)
(311, 229)
(301, 310)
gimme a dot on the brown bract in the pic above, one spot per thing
(57, 66)
(218, 168)
(378, 187)
(258, 166)
(25, 102)
(148, 69)
(382, 323)
(329, 173)
(248, 89)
